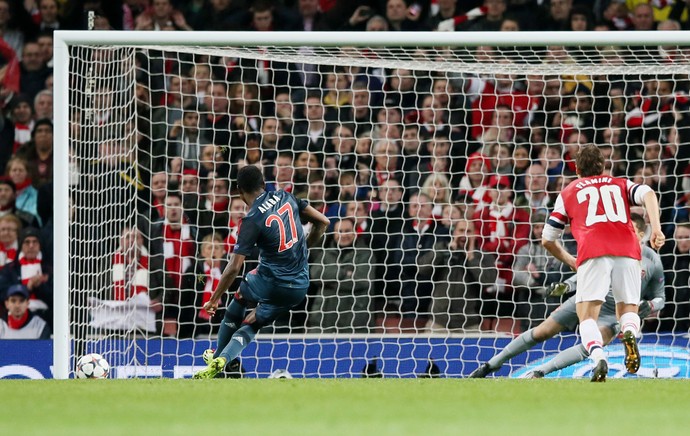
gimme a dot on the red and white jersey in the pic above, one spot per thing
(598, 210)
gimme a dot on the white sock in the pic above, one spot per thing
(592, 340)
(630, 321)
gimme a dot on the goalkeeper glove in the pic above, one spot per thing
(557, 289)
(644, 309)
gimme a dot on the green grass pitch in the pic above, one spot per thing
(425, 407)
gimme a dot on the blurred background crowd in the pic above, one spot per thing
(437, 184)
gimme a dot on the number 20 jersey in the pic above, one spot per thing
(598, 210)
(273, 224)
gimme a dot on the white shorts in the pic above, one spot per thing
(622, 274)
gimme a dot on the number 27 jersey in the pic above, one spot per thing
(598, 210)
(273, 225)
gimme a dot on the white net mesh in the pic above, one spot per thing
(437, 166)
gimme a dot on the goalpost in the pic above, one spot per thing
(120, 98)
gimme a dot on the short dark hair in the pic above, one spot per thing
(250, 179)
(639, 221)
(589, 161)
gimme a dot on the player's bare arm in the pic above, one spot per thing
(651, 204)
(229, 275)
(320, 223)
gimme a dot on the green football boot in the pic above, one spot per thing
(214, 368)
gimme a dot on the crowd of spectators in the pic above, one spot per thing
(437, 184)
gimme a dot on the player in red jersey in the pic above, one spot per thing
(597, 207)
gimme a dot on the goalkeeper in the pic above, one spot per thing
(565, 317)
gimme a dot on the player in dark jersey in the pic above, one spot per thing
(280, 282)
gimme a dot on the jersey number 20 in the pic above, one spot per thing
(284, 243)
(612, 200)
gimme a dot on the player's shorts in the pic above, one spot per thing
(271, 299)
(622, 274)
(566, 315)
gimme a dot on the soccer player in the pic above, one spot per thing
(273, 224)
(565, 317)
(597, 207)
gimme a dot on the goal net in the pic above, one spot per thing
(436, 156)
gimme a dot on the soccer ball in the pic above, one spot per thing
(280, 373)
(92, 366)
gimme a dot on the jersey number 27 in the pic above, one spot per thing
(276, 217)
(611, 199)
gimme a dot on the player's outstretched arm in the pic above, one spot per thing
(229, 275)
(319, 224)
(651, 205)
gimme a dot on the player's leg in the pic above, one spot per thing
(593, 282)
(242, 337)
(522, 343)
(274, 301)
(626, 287)
(234, 315)
(232, 322)
(570, 356)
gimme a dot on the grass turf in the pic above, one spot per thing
(345, 406)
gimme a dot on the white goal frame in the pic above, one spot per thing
(64, 39)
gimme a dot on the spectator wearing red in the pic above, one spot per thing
(30, 270)
(10, 226)
(159, 190)
(501, 93)
(10, 61)
(20, 323)
(172, 244)
(502, 228)
(176, 239)
(237, 212)
(199, 283)
(477, 170)
(134, 298)
(654, 105)
(130, 271)
(22, 117)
